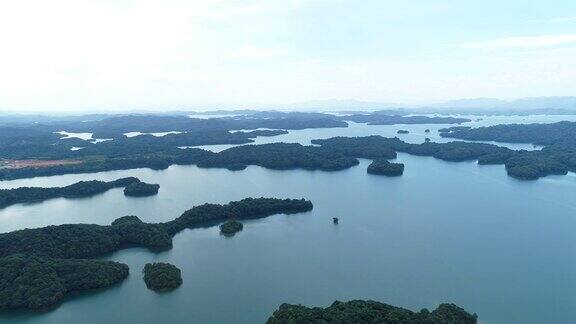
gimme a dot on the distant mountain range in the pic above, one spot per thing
(334, 105)
(544, 105)
(564, 102)
(555, 105)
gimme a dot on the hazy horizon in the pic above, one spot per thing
(460, 105)
(156, 55)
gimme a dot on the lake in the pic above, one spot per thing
(442, 232)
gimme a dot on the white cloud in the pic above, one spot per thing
(109, 54)
(253, 53)
(523, 42)
(552, 20)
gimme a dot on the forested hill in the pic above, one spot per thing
(34, 150)
(38, 267)
(32, 282)
(88, 241)
(365, 312)
(79, 189)
(561, 134)
(328, 154)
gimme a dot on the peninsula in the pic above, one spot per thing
(49, 262)
(77, 190)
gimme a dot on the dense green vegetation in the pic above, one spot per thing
(329, 155)
(79, 189)
(249, 208)
(279, 156)
(525, 165)
(384, 167)
(384, 118)
(231, 227)
(158, 160)
(556, 134)
(359, 311)
(77, 241)
(37, 141)
(266, 132)
(141, 189)
(160, 276)
(39, 266)
(557, 157)
(453, 128)
(33, 282)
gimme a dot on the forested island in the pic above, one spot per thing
(79, 189)
(266, 132)
(560, 134)
(385, 118)
(525, 165)
(231, 227)
(88, 240)
(360, 311)
(161, 277)
(384, 167)
(35, 150)
(141, 189)
(32, 282)
(67, 244)
(343, 152)
(280, 156)
(402, 131)
(332, 154)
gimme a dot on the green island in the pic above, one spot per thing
(280, 156)
(402, 131)
(141, 189)
(231, 227)
(32, 150)
(331, 154)
(162, 277)
(360, 311)
(386, 118)
(79, 189)
(555, 134)
(65, 247)
(79, 241)
(266, 132)
(523, 165)
(384, 167)
(32, 282)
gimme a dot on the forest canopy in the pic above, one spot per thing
(38, 267)
(79, 189)
(231, 227)
(141, 189)
(77, 241)
(360, 311)
(161, 277)
(49, 153)
(384, 167)
(33, 282)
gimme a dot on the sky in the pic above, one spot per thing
(84, 55)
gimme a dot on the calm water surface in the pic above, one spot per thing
(417, 132)
(455, 232)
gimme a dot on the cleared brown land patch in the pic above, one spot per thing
(19, 164)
